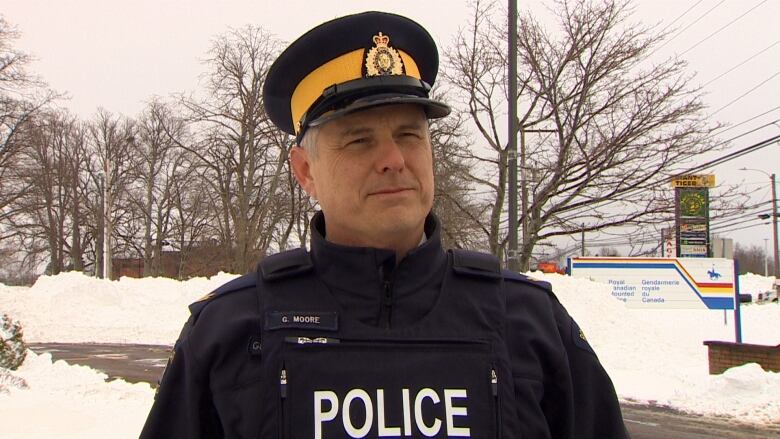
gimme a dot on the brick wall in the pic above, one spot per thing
(723, 355)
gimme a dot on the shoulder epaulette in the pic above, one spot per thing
(285, 264)
(475, 264)
(239, 283)
(511, 275)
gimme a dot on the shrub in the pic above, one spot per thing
(12, 347)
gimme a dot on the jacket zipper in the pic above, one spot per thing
(494, 388)
(387, 305)
(282, 401)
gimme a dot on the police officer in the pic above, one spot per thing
(377, 331)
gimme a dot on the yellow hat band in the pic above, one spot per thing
(341, 69)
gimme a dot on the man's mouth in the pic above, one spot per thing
(390, 191)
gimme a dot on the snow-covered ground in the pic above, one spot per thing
(652, 356)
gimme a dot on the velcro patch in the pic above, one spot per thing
(323, 321)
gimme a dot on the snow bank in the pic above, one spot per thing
(74, 308)
(71, 402)
(753, 284)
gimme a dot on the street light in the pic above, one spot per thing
(775, 258)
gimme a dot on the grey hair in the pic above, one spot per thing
(309, 141)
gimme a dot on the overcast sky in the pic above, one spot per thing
(118, 54)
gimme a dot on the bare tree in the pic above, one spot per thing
(42, 211)
(158, 163)
(21, 96)
(48, 210)
(615, 128)
(241, 155)
(77, 159)
(460, 211)
(193, 219)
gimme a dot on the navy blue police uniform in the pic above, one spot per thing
(343, 342)
(346, 341)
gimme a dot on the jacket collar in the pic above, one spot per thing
(357, 276)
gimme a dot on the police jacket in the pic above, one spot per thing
(344, 342)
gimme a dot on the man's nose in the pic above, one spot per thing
(390, 156)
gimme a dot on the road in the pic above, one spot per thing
(145, 363)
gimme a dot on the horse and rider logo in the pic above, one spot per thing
(714, 275)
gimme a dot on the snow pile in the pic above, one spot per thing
(74, 308)
(71, 402)
(754, 284)
(652, 355)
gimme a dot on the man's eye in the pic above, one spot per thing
(411, 134)
(358, 141)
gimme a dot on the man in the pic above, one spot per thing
(377, 332)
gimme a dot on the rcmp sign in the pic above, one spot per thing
(663, 282)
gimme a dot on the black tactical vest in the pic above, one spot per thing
(330, 376)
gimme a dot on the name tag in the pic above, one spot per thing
(323, 321)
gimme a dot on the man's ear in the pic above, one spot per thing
(301, 167)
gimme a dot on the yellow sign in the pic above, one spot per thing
(694, 181)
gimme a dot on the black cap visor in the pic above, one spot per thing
(364, 93)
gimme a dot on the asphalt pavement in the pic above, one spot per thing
(145, 363)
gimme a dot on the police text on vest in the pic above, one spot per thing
(327, 406)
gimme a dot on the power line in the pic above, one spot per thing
(742, 228)
(729, 128)
(721, 28)
(712, 163)
(746, 212)
(687, 27)
(734, 223)
(745, 94)
(680, 16)
(731, 156)
(740, 64)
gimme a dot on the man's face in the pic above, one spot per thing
(372, 174)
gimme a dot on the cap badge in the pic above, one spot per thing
(383, 59)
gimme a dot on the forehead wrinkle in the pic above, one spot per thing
(354, 130)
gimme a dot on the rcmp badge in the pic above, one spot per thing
(383, 59)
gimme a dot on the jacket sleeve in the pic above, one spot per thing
(182, 405)
(561, 388)
(597, 412)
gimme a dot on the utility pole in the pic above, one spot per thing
(774, 227)
(524, 191)
(766, 258)
(100, 247)
(107, 231)
(513, 260)
(582, 238)
(524, 187)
